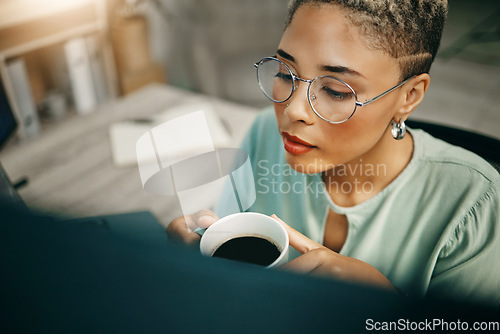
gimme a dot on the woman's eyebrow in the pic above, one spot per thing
(285, 55)
(327, 68)
(340, 69)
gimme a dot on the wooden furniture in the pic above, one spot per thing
(134, 62)
(30, 25)
(70, 169)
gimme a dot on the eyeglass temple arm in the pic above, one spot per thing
(361, 104)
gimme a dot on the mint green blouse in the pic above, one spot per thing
(434, 230)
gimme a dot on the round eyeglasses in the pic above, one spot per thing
(330, 98)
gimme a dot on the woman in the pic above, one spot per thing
(368, 201)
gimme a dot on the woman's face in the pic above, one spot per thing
(320, 40)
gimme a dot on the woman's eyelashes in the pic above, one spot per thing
(284, 76)
(335, 94)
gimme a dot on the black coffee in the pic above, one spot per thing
(250, 249)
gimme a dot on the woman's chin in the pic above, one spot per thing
(305, 165)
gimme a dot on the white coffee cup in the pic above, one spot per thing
(246, 224)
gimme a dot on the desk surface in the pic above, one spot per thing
(70, 167)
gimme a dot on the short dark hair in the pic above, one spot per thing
(408, 30)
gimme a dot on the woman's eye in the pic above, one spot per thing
(284, 76)
(335, 94)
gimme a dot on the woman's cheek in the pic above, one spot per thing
(279, 109)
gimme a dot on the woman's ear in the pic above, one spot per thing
(414, 92)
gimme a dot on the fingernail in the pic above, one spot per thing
(273, 216)
(205, 221)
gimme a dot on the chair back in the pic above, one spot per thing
(486, 147)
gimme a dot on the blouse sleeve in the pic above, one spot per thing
(468, 266)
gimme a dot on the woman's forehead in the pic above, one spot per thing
(322, 36)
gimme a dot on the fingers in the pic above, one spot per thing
(204, 218)
(181, 229)
(325, 262)
(297, 240)
(178, 231)
(307, 263)
(322, 262)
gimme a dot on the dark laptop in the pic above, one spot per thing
(76, 278)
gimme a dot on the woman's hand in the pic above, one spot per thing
(317, 259)
(181, 229)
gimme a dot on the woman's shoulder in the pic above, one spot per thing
(444, 158)
(451, 182)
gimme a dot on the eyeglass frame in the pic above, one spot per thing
(297, 78)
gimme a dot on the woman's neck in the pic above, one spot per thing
(361, 179)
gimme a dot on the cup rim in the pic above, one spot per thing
(283, 252)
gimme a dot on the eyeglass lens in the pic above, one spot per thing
(330, 98)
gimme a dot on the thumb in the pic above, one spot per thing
(204, 218)
(297, 240)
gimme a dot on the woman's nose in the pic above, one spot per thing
(298, 108)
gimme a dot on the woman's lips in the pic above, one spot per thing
(295, 145)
